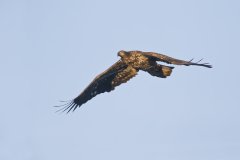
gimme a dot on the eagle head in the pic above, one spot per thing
(122, 53)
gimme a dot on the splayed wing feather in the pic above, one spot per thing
(102, 83)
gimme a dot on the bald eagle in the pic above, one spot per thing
(125, 69)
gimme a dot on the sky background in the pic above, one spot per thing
(52, 49)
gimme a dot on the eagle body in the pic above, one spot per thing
(135, 59)
(125, 69)
(138, 61)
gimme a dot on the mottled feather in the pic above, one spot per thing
(124, 76)
(125, 69)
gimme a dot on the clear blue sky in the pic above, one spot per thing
(51, 50)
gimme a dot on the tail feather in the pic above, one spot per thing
(160, 71)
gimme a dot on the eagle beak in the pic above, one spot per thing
(121, 53)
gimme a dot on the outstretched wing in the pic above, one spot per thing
(170, 60)
(105, 82)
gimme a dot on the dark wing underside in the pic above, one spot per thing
(170, 60)
(105, 82)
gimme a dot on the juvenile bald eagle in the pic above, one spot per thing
(125, 69)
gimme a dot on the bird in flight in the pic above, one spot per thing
(125, 69)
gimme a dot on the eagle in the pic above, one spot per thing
(125, 69)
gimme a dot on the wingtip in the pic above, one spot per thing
(207, 65)
(67, 107)
(210, 66)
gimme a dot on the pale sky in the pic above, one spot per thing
(51, 50)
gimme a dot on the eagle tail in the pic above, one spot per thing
(160, 71)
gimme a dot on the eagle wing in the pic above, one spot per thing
(170, 60)
(117, 74)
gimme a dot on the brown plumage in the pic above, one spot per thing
(125, 69)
